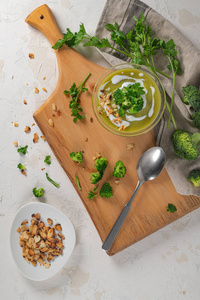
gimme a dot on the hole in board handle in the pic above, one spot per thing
(41, 17)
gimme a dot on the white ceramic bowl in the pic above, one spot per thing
(40, 273)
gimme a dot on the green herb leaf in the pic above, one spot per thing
(48, 159)
(21, 167)
(22, 150)
(74, 105)
(171, 208)
(52, 181)
(38, 192)
(78, 182)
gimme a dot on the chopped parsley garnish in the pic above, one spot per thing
(130, 97)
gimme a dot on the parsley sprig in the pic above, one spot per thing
(74, 105)
(139, 44)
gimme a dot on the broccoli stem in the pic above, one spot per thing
(80, 86)
(173, 90)
(173, 120)
(164, 74)
(196, 139)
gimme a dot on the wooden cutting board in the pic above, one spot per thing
(148, 212)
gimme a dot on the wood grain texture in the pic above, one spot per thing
(148, 212)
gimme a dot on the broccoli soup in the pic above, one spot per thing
(128, 100)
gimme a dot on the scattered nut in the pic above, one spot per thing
(44, 78)
(54, 107)
(31, 55)
(24, 222)
(43, 138)
(51, 123)
(44, 89)
(36, 90)
(98, 155)
(23, 172)
(16, 124)
(36, 137)
(43, 169)
(91, 120)
(117, 181)
(37, 216)
(58, 227)
(27, 129)
(25, 102)
(15, 144)
(86, 139)
(49, 221)
(33, 124)
(130, 146)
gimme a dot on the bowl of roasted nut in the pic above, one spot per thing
(42, 239)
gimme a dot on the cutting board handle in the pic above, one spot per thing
(43, 19)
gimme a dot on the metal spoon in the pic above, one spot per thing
(149, 167)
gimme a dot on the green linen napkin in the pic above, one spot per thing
(122, 12)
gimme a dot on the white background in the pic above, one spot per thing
(165, 265)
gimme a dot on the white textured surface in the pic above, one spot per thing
(165, 265)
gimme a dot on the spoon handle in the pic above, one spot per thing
(120, 220)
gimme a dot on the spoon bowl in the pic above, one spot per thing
(148, 168)
(150, 164)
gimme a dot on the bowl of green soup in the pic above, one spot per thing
(128, 100)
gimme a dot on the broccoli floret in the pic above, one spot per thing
(119, 169)
(130, 97)
(194, 177)
(186, 144)
(22, 150)
(118, 96)
(21, 167)
(92, 194)
(191, 96)
(121, 112)
(171, 208)
(38, 192)
(101, 164)
(106, 191)
(196, 119)
(95, 177)
(136, 107)
(78, 156)
(48, 159)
